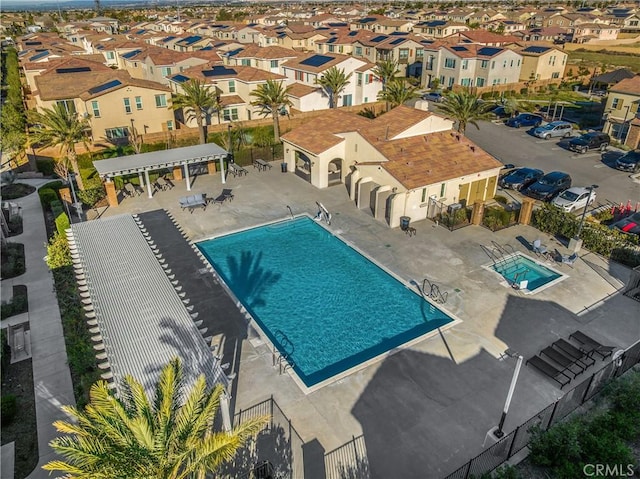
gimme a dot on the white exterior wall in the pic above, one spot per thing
(502, 72)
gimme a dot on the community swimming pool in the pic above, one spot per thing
(319, 301)
(517, 268)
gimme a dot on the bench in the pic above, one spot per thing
(549, 370)
(193, 201)
(237, 170)
(261, 164)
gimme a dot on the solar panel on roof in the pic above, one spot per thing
(140, 32)
(367, 20)
(489, 51)
(130, 54)
(332, 40)
(397, 41)
(233, 53)
(316, 60)
(104, 86)
(180, 78)
(33, 43)
(536, 49)
(168, 39)
(206, 48)
(23, 53)
(399, 34)
(73, 70)
(459, 48)
(337, 24)
(39, 55)
(379, 38)
(352, 33)
(219, 70)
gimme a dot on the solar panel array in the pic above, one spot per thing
(168, 39)
(459, 48)
(104, 86)
(397, 41)
(180, 78)
(219, 70)
(73, 70)
(489, 51)
(367, 20)
(352, 33)
(316, 60)
(191, 39)
(39, 56)
(130, 54)
(33, 43)
(399, 34)
(379, 38)
(536, 49)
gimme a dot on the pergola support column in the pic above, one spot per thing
(140, 179)
(112, 196)
(148, 183)
(186, 176)
(177, 173)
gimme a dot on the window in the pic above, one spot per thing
(479, 81)
(246, 62)
(403, 54)
(366, 100)
(430, 60)
(119, 132)
(504, 64)
(299, 75)
(511, 65)
(555, 75)
(443, 188)
(332, 48)
(552, 60)
(518, 63)
(127, 105)
(424, 195)
(230, 114)
(170, 125)
(465, 82)
(166, 71)
(95, 108)
(68, 105)
(161, 100)
(465, 64)
(451, 81)
(138, 103)
(110, 55)
(274, 63)
(359, 51)
(449, 62)
(367, 51)
(419, 53)
(359, 79)
(484, 63)
(232, 86)
(617, 103)
(493, 64)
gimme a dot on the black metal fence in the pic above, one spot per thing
(497, 217)
(275, 452)
(452, 217)
(518, 439)
(246, 156)
(348, 461)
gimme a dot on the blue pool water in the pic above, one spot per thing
(320, 301)
(518, 268)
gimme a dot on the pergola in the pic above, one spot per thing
(178, 158)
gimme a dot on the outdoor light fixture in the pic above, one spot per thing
(576, 243)
(514, 379)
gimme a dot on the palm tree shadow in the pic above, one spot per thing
(249, 279)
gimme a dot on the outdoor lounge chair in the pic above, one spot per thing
(569, 259)
(193, 201)
(227, 194)
(538, 247)
(549, 370)
(163, 184)
(566, 362)
(591, 346)
(570, 350)
(130, 190)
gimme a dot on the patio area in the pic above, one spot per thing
(424, 410)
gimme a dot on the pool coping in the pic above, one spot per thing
(506, 283)
(359, 367)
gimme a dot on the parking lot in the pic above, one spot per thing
(520, 147)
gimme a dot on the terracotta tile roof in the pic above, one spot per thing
(246, 74)
(318, 135)
(365, 67)
(267, 53)
(434, 158)
(231, 100)
(95, 62)
(298, 90)
(393, 123)
(628, 85)
(484, 36)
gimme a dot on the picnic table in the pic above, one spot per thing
(237, 170)
(261, 164)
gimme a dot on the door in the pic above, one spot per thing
(491, 187)
(347, 100)
(464, 192)
(476, 192)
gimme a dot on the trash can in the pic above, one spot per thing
(283, 167)
(404, 222)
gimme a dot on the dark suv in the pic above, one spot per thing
(520, 178)
(590, 141)
(629, 162)
(525, 119)
(549, 186)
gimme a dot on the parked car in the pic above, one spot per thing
(575, 198)
(434, 97)
(520, 178)
(525, 119)
(499, 111)
(629, 162)
(590, 141)
(549, 186)
(630, 224)
(555, 129)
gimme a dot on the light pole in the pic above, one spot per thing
(514, 379)
(576, 243)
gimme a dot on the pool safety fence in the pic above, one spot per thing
(519, 438)
(276, 451)
(348, 460)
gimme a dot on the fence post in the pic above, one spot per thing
(271, 412)
(584, 396)
(553, 413)
(513, 441)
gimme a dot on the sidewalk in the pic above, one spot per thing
(51, 377)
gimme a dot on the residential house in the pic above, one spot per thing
(540, 62)
(84, 63)
(438, 28)
(388, 26)
(406, 50)
(504, 26)
(342, 42)
(482, 37)
(622, 120)
(470, 65)
(112, 101)
(232, 84)
(402, 163)
(544, 34)
(366, 23)
(587, 32)
(363, 86)
(264, 58)
(484, 16)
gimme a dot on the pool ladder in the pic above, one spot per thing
(434, 291)
(282, 360)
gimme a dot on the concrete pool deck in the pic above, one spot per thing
(425, 410)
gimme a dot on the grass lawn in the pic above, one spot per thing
(606, 57)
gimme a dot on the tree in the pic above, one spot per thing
(169, 436)
(465, 108)
(333, 82)
(386, 70)
(397, 93)
(60, 126)
(197, 100)
(271, 97)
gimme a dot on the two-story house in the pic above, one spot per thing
(264, 58)
(540, 62)
(621, 112)
(438, 28)
(406, 50)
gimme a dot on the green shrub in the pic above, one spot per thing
(5, 352)
(18, 304)
(9, 407)
(54, 185)
(45, 166)
(58, 253)
(12, 260)
(47, 196)
(62, 223)
(91, 196)
(501, 199)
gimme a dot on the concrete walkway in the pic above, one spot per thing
(51, 376)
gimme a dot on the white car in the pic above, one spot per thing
(574, 199)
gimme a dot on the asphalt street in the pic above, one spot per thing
(520, 147)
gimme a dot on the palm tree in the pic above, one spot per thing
(396, 93)
(465, 108)
(61, 127)
(386, 70)
(197, 100)
(333, 82)
(170, 436)
(271, 98)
